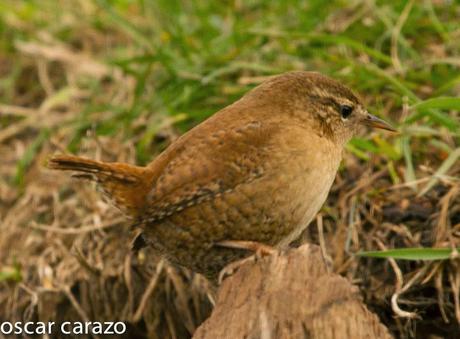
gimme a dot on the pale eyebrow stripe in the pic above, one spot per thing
(327, 100)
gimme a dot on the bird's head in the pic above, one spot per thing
(321, 103)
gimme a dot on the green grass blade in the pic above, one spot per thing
(439, 103)
(397, 83)
(411, 254)
(431, 108)
(10, 274)
(125, 25)
(29, 156)
(448, 86)
(437, 24)
(328, 39)
(353, 44)
(409, 174)
(442, 170)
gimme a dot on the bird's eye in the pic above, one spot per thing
(345, 111)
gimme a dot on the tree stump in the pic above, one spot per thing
(290, 295)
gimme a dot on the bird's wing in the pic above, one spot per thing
(210, 160)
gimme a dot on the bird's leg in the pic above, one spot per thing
(322, 243)
(260, 250)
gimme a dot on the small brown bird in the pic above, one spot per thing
(258, 170)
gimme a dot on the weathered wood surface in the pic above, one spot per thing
(290, 295)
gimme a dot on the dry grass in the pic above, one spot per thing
(111, 83)
(72, 260)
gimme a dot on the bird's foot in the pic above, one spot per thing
(260, 250)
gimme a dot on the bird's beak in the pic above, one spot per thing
(374, 122)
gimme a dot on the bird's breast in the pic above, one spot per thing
(310, 183)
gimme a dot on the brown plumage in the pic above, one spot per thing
(259, 170)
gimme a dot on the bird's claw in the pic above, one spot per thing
(260, 250)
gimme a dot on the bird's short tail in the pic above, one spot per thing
(125, 185)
